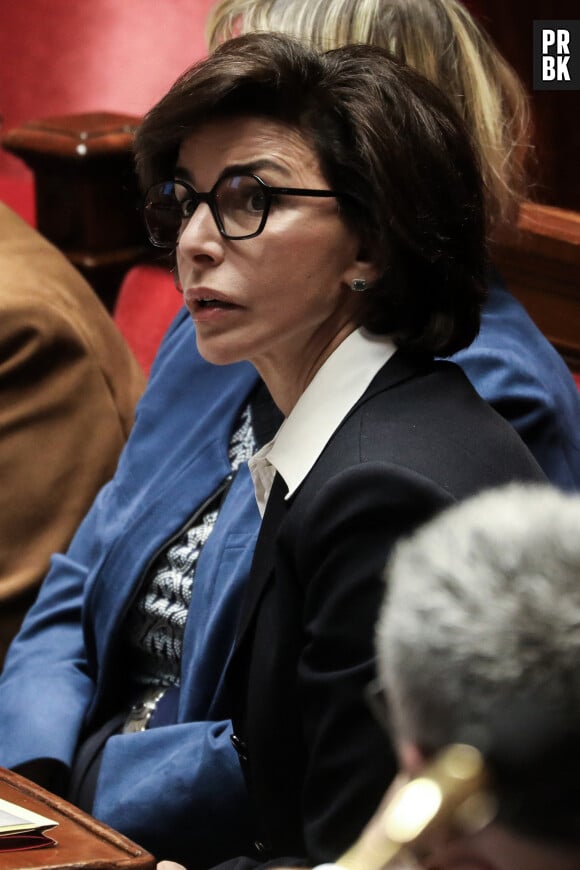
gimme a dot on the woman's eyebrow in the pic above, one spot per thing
(250, 168)
(255, 166)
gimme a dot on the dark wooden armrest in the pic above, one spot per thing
(540, 261)
(86, 192)
(82, 842)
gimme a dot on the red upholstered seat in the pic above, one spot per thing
(17, 192)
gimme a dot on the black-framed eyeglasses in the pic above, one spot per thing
(239, 203)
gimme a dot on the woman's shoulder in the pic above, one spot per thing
(430, 424)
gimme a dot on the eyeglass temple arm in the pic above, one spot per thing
(301, 191)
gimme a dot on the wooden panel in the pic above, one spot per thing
(541, 265)
(556, 113)
(86, 192)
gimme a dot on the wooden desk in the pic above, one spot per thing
(82, 842)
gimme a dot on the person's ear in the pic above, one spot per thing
(361, 274)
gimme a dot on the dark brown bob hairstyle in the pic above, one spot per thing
(387, 140)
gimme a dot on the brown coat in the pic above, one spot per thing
(68, 389)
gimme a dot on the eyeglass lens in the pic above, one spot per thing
(239, 201)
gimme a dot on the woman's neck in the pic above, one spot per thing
(288, 377)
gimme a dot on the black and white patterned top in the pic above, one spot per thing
(156, 622)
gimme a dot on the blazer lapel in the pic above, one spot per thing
(263, 561)
(399, 368)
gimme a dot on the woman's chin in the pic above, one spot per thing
(218, 355)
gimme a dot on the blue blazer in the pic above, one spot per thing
(513, 366)
(178, 789)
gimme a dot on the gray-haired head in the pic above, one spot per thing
(479, 641)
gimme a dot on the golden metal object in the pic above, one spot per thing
(451, 792)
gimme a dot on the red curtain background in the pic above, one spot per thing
(61, 56)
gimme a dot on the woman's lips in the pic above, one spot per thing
(213, 303)
(205, 304)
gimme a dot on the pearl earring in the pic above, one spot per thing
(359, 285)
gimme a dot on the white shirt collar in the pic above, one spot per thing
(335, 389)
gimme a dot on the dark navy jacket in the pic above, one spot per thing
(316, 761)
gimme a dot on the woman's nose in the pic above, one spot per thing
(200, 237)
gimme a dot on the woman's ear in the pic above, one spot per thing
(362, 273)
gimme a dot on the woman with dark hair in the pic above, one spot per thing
(326, 213)
(326, 217)
(403, 180)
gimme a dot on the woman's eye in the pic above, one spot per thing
(257, 201)
(241, 195)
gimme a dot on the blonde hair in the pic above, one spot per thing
(440, 39)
